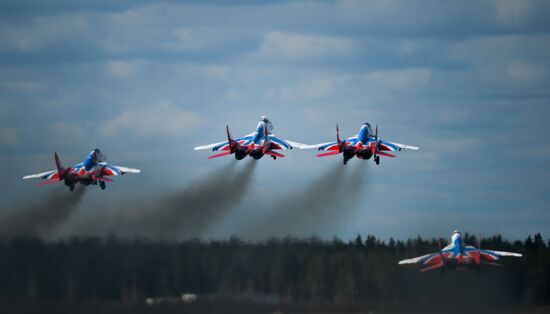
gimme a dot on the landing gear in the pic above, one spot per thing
(71, 187)
(377, 159)
(102, 185)
(274, 157)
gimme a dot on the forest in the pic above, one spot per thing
(288, 270)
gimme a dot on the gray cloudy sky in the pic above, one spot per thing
(467, 81)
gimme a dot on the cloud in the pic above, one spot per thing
(199, 38)
(162, 119)
(453, 145)
(297, 46)
(24, 86)
(399, 79)
(122, 69)
(501, 49)
(318, 87)
(511, 11)
(526, 72)
(208, 71)
(42, 31)
(8, 137)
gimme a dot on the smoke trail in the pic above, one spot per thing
(320, 205)
(203, 203)
(181, 214)
(42, 218)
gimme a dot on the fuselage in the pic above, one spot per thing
(259, 142)
(364, 134)
(360, 147)
(458, 255)
(86, 172)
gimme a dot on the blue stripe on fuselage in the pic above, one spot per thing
(89, 162)
(259, 136)
(363, 135)
(458, 247)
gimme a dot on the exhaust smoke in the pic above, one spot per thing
(323, 204)
(43, 218)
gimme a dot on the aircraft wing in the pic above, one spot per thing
(118, 170)
(209, 146)
(279, 143)
(392, 146)
(494, 255)
(325, 146)
(501, 253)
(430, 259)
(245, 140)
(424, 259)
(43, 175)
(300, 145)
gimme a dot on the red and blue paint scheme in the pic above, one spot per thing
(364, 145)
(92, 170)
(256, 144)
(457, 255)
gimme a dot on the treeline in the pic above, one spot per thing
(286, 270)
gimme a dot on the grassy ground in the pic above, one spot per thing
(229, 306)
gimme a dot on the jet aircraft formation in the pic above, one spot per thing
(364, 145)
(262, 141)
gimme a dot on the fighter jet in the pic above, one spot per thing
(256, 144)
(92, 170)
(458, 255)
(364, 145)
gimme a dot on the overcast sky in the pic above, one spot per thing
(467, 81)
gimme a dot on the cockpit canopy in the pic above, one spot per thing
(99, 156)
(267, 123)
(369, 128)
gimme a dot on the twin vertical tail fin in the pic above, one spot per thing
(340, 144)
(338, 135)
(266, 145)
(58, 163)
(60, 169)
(61, 172)
(477, 256)
(232, 145)
(229, 137)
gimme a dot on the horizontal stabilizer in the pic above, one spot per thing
(274, 154)
(330, 153)
(48, 182)
(385, 154)
(220, 155)
(436, 266)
